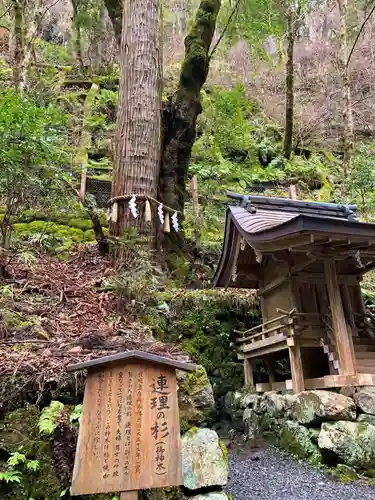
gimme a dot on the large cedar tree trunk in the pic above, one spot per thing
(289, 101)
(181, 110)
(138, 129)
(347, 112)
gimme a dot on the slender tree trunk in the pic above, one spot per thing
(26, 17)
(19, 43)
(347, 138)
(114, 8)
(289, 96)
(138, 129)
(77, 36)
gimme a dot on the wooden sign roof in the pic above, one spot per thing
(262, 226)
(132, 356)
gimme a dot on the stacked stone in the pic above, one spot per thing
(320, 426)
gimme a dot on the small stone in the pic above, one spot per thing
(345, 474)
(348, 391)
(75, 349)
(314, 434)
(252, 421)
(353, 443)
(313, 407)
(364, 417)
(204, 459)
(365, 400)
(214, 495)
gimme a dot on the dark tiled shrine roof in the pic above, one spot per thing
(261, 221)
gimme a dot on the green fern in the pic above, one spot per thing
(16, 459)
(76, 414)
(32, 465)
(12, 476)
(49, 418)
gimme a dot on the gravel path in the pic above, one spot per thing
(267, 474)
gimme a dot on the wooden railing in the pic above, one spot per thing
(365, 324)
(279, 329)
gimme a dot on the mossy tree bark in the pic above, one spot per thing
(180, 111)
(138, 129)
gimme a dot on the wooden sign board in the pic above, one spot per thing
(129, 435)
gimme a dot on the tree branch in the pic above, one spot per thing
(359, 33)
(234, 10)
(5, 12)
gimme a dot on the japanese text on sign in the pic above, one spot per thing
(159, 404)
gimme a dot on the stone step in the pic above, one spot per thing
(364, 348)
(365, 368)
(365, 355)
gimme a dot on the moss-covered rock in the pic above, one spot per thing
(352, 443)
(195, 397)
(161, 494)
(365, 400)
(344, 474)
(19, 433)
(205, 463)
(295, 439)
(313, 407)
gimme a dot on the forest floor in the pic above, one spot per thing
(54, 313)
(265, 473)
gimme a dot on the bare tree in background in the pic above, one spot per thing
(347, 112)
(289, 79)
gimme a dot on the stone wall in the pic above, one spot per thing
(322, 427)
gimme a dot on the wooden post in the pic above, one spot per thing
(292, 191)
(348, 307)
(296, 367)
(344, 341)
(82, 189)
(248, 370)
(271, 368)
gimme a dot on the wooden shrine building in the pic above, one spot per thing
(307, 260)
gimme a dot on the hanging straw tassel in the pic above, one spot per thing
(167, 225)
(115, 212)
(147, 211)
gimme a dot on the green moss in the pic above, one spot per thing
(15, 320)
(202, 323)
(19, 433)
(195, 380)
(224, 451)
(193, 430)
(344, 474)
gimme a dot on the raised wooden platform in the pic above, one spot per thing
(329, 381)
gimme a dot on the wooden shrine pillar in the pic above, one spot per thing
(344, 341)
(248, 372)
